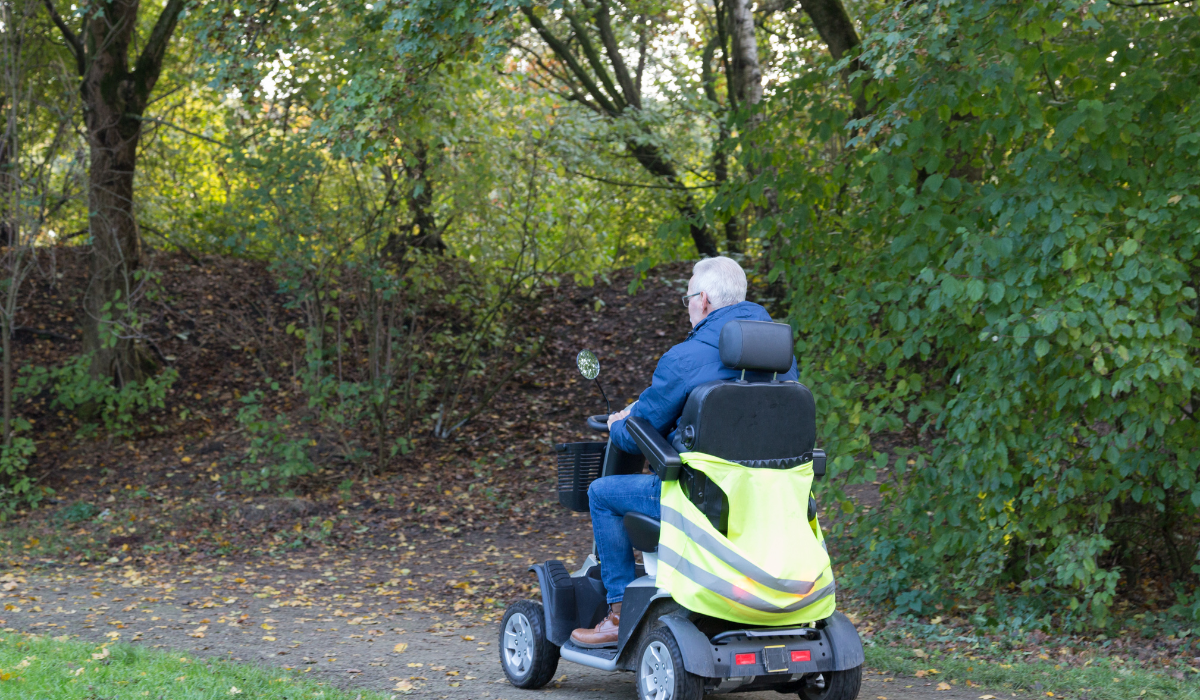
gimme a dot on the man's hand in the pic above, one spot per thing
(617, 416)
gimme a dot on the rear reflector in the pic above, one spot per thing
(805, 655)
(745, 659)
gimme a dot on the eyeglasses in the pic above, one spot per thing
(689, 296)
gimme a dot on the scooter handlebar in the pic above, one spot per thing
(598, 423)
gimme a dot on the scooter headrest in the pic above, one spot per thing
(757, 346)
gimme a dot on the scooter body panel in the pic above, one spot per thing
(577, 601)
(693, 644)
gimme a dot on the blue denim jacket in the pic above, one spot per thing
(686, 366)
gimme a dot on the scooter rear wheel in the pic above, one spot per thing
(833, 685)
(660, 671)
(528, 658)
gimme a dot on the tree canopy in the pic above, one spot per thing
(981, 218)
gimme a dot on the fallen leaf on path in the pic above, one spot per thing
(943, 686)
(403, 685)
(987, 697)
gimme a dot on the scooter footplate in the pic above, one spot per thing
(606, 653)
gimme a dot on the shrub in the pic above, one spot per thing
(116, 408)
(282, 453)
(1001, 274)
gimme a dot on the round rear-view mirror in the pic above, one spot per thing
(589, 366)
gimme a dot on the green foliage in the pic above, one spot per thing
(117, 409)
(17, 488)
(77, 512)
(282, 452)
(1003, 267)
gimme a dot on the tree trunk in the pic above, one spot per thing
(746, 70)
(653, 160)
(7, 230)
(114, 99)
(423, 231)
(112, 326)
(749, 88)
(838, 32)
(720, 156)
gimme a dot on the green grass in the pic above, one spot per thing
(37, 668)
(1102, 680)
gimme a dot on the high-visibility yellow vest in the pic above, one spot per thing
(771, 569)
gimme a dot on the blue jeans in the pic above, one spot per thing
(610, 498)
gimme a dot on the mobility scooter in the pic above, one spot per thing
(736, 617)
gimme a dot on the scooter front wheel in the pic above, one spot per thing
(832, 685)
(528, 658)
(660, 671)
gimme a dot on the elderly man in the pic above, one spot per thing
(716, 295)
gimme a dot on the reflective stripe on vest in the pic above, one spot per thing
(728, 590)
(771, 567)
(736, 561)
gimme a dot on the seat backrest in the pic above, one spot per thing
(756, 423)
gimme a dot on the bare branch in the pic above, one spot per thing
(149, 63)
(1143, 4)
(675, 187)
(643, 46)
(610, 47)
(72, 39)
(564, 53)
(594, 59)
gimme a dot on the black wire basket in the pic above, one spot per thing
(579, 464)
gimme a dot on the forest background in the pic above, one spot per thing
(980, 217)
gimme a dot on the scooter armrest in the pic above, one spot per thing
(664, 460)
(818, 459)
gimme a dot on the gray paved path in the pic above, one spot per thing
(355, 641)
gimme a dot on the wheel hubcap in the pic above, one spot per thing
(657, 673)
(518, 644)
(818, 685)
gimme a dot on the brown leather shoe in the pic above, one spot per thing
(603, 634)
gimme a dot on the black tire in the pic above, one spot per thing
(658, 681)
(832, 685)
(527, 657)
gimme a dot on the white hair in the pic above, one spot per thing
(722, 278)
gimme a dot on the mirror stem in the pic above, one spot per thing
(606, 403)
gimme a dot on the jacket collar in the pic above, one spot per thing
(714, 316)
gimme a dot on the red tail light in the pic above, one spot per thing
(805, 655)
(745, 659)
